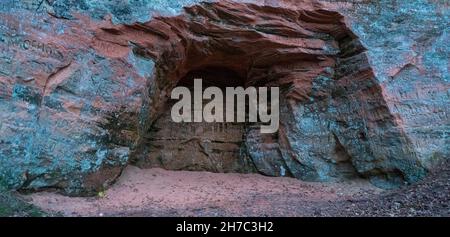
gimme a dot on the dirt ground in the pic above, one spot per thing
(157, 192)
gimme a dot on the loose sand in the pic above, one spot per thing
(158, 192)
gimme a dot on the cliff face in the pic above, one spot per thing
(84, 88)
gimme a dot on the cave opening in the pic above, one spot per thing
(200, 146)
(312, 56)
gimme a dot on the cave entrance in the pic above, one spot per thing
(316, 61)
(199, 146)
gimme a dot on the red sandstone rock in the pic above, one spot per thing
(80, 96)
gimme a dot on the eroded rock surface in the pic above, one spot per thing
(84, 85)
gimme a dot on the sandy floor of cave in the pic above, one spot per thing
(157, 192)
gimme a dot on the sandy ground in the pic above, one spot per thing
(157, 192)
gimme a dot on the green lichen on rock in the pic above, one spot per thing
(10, 206)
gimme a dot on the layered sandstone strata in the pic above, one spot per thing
(84, 87)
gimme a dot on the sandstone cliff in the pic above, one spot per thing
(84, 85)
